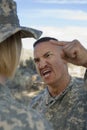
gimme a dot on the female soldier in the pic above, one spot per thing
(13, 116)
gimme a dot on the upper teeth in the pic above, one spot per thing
(45, 71)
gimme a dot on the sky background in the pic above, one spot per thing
(62, 19)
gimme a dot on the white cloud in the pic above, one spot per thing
(63, 1)
(67, 33)
(65, 14)
(55, 13)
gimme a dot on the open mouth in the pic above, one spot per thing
(46, 73)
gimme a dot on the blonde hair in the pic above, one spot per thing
(10, 51)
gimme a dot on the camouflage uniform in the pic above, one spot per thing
(67, 111)
(14, 117)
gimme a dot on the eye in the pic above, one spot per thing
(47, 55)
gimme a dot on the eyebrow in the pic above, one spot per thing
(49, 52)
(37, 59)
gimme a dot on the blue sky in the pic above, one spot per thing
(62, 19)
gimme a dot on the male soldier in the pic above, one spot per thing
(64, 100)
(14, 116)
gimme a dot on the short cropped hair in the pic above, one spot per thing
(44, 39)
(10, 51)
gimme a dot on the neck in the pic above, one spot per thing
(2, 79)
(57, 88)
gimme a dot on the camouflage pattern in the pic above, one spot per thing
(13, 116)
(85, 76)
(67, 111)
(9, 22)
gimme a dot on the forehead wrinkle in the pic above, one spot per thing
(48, 47)
(43, 55)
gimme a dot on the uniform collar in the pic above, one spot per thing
(51, 100)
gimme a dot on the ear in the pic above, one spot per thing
(65, 61)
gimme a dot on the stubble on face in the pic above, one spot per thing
(53, 56)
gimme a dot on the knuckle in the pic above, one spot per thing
(76, 42)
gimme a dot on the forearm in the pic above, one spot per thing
(84, 57)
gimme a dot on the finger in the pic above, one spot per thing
(69, 51)
(58, 43)
(71, 60)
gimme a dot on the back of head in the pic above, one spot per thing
(10, 37)
(10, 51)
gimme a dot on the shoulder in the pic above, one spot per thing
(38, 98)
(13, 116)
(78, 81)
(78, 90)
(78, 84)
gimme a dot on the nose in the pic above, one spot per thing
(42, 64)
